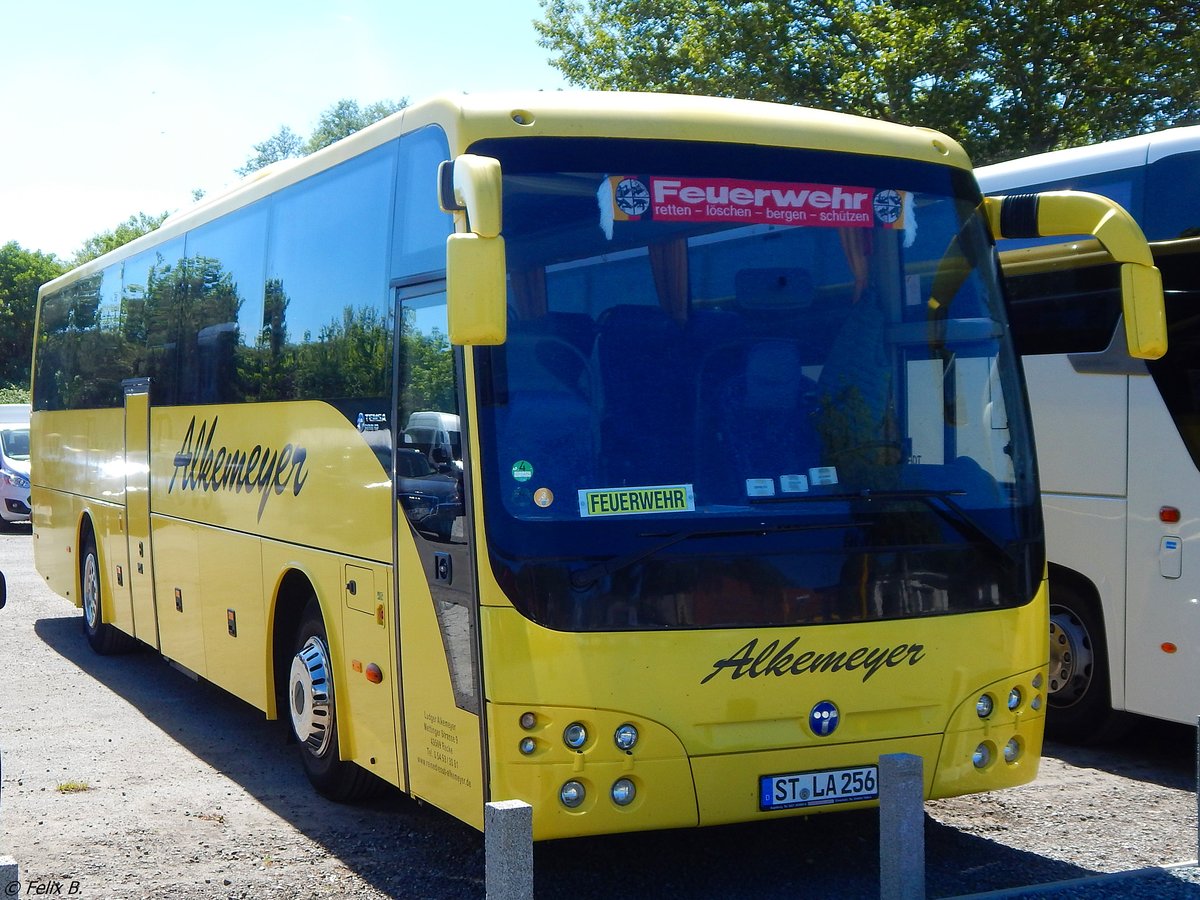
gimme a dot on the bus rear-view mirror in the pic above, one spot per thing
(476, 292)
(1076, 212)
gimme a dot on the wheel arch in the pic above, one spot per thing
(292, 592)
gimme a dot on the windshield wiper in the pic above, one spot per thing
(585, 578)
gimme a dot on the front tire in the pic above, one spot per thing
(1079, 699)
(104, 638)
(312, 706)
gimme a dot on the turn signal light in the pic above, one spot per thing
(374, 674)
(1169, 515)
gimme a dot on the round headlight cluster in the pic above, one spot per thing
(623, 792)
(572, 794)
(626, 737)
(984, 706)
(575, 735)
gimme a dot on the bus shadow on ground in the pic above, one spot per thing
(404, 848)
(1153, 751)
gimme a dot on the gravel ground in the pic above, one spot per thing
(123, 778)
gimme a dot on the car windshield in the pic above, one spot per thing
(15, 442)
(750, 386)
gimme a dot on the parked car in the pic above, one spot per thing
(14, 473)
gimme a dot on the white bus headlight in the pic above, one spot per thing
(572, 794)
(575, 735)
(623, 792)
(626, 737)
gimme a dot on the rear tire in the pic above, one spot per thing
(104, 638)
(1079, 699)
(312, 707)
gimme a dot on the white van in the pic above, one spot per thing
(436, 435)
(14, 471)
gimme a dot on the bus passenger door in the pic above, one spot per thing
(137, 509)
(435, 567)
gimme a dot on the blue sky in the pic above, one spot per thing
(110, 109)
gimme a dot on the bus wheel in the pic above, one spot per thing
(1079, 699)
(104, 638)
(312, 705)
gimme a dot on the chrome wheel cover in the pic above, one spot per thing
(1070, 658)
(310, 696)
(91, 592)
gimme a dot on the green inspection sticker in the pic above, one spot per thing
(522, 470)
(663, 498)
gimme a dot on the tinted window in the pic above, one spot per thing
(327, 316)
(421, 227)
(1174, 184)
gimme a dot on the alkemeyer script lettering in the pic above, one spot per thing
(201, 467)
(773, 659)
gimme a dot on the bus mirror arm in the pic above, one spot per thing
(1076, 212)
(476, 287)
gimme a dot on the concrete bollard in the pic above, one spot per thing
(901, 827)
(508, 850)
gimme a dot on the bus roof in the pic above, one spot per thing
(1109, 156)
(471, 117)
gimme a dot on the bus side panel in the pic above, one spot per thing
(368, 639)
(67, 451)
(444, 752)
(1075, 528)
(1162, 624)
(233, 614)
(1092, 409)
(177, 593)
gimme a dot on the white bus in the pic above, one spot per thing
(1118, 439)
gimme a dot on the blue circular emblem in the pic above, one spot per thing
(823, 720)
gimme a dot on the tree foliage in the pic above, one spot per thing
(22, 272)
(131, 229)
(1005, 77)
(342, 119)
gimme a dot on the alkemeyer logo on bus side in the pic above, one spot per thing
(200, 467)
(664, 199)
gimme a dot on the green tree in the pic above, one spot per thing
(22, 272)
(284, 144)
(342, 119)
(133, 227)
(1005, 77)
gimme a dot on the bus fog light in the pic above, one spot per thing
(1036, 703)
(571, 794)
(1012, 750)
(528, 720)
(1014, 699)
(982, 756)
(528, 745)
(626, 737)
(623, 792)
(575, 735)
(984, 706)
(1037, 681)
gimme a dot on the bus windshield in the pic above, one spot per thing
(776, 386)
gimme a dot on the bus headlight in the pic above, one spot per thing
(572, 794)
(1014, 699)
(626, 737)
(575, 735)
(527, 746)
(623, 792)
(982, 756)
(984, 706)
(1012, 750)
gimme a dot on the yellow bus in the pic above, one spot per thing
(658, 461)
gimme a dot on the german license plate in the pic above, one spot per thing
(800, 789)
